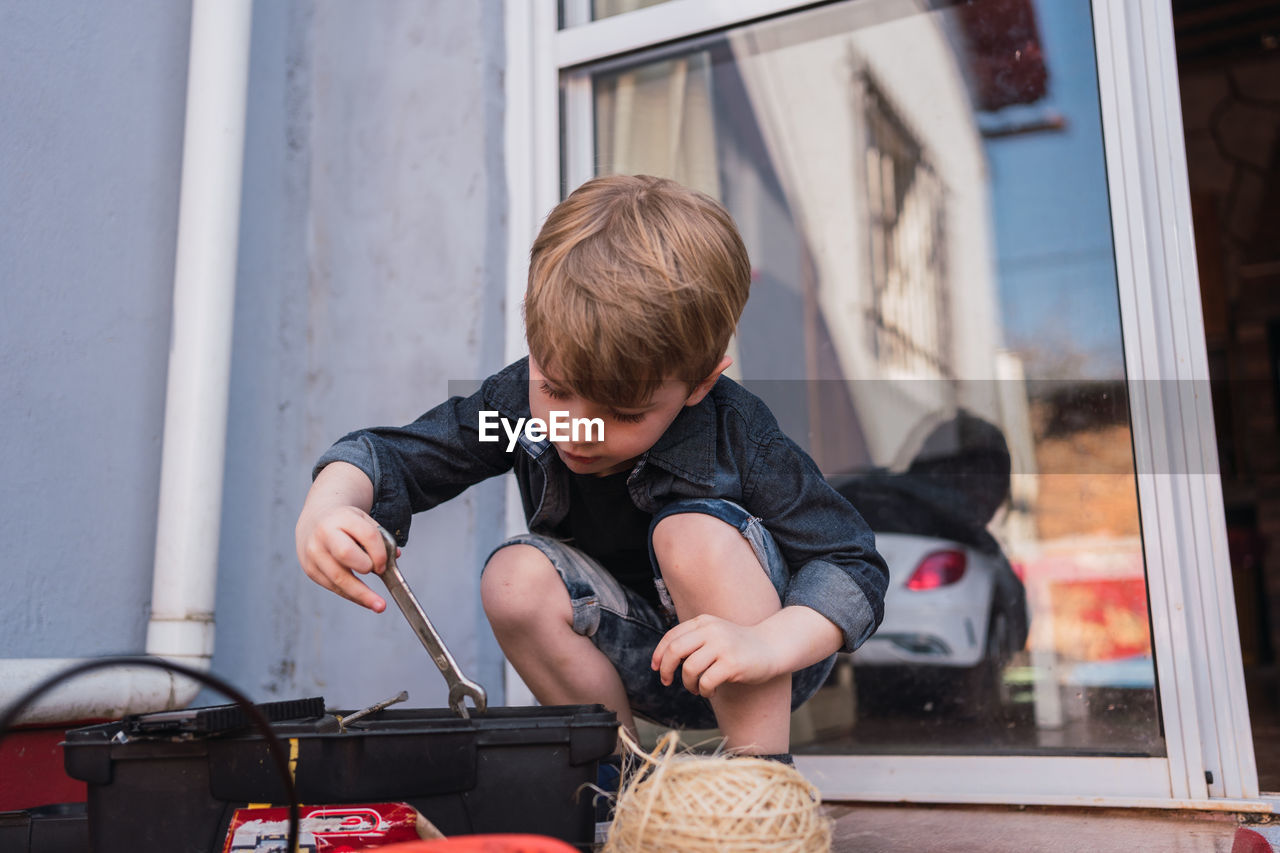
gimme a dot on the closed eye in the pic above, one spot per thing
(628, 418)
(553, 392)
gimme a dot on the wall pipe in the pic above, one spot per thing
(184, 581)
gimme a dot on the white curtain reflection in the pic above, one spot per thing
(656, 120)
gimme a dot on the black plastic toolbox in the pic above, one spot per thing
(507, 770)
(59, 828)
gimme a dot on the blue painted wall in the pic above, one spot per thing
(370, 275)
(91, 108)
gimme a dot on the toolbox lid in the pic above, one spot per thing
(394, 753)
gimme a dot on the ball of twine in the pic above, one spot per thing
(701, 803)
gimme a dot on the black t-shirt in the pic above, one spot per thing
(605, 524)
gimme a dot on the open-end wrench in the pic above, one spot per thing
(343, 722)
(459, 685)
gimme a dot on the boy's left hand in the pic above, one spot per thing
(715, 651)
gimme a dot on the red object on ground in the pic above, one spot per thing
(484, 844)
(1250, 841)
(335, 829)
(33, 774)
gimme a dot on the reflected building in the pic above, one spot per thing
(891, 166)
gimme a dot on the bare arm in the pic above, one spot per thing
(801, 637)
(336, 538)
(715, 651)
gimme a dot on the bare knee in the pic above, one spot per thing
(694, 543)
(521, 589)
(708, 566)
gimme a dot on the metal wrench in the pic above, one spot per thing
(459, 685)
(343, 722)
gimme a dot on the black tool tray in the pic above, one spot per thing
(507, 770)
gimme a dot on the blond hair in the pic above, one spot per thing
(632, 280)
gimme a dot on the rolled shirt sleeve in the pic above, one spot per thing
(836, 569)
(422, 464)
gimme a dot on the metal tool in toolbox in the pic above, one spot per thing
(459, 685)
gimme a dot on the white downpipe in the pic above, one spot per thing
(195, 427)
(184, 583)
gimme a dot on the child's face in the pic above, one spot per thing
(628, 433)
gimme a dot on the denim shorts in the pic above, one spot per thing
(627, 628)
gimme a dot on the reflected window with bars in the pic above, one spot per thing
(908, 318)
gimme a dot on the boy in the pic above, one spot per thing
(686, 561)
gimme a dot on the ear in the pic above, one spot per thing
(704, 387)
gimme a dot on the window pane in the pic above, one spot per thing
(575, 12)
(934, 316)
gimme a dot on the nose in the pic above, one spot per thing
(583, 436)
(582, 440)
(569, 427)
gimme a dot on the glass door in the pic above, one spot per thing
(947, 312)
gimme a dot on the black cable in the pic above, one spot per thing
(11, 714)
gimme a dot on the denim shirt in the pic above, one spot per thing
(727, 446)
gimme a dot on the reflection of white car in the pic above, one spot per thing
(953, 614)
(954, 611)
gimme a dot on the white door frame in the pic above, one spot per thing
(1195, 636)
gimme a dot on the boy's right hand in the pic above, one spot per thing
(337, 540)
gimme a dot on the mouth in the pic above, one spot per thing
(577, 459)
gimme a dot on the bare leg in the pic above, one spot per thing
(709, 567)
(530, 613)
